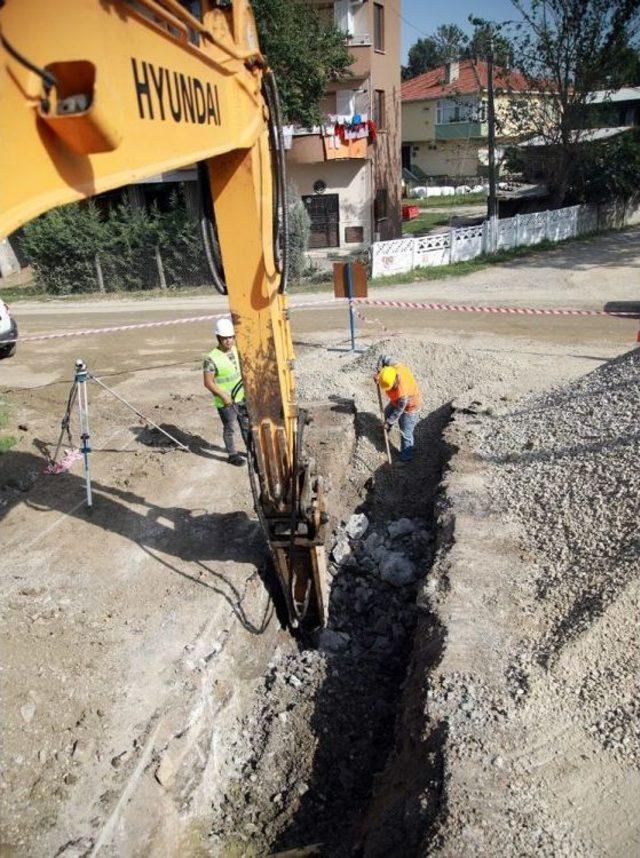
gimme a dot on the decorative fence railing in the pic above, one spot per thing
(463, 243)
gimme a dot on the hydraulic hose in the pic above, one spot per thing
(280, 214)
(209, 232)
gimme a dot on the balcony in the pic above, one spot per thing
(307, 149)
(310, 149)
(359, 40)
(360, 68)
(461, 130)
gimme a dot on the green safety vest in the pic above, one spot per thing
(228, 375)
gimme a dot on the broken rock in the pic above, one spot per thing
(397, 569)
(331, 641)
(401, 527)
(341, 550)
(357, 525)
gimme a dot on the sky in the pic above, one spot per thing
(422, 17)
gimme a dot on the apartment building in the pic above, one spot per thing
(348, 170)
(444, 117)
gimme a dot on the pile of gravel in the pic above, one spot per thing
(569, 472)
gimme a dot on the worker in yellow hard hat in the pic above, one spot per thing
(403, 410)
(222, 377)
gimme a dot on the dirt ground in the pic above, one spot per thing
(145, 672)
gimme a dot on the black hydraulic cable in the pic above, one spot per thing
(49, 79)
(208, 231)
(300, 614)
(281, 214)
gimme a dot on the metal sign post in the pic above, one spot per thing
(348, 277)
(83, 410)
(350, 282)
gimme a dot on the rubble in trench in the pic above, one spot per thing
(303, 764)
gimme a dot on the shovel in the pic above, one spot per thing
(384, 426)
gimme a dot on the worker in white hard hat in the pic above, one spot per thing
(222, 377)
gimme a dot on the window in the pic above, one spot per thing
(459, 110)
(380, 205)
(379, 109)
(353, 235)
(324, 212)
(378, 27)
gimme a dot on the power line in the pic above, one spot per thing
(406, 21)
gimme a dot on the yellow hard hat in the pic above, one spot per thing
(387, 377)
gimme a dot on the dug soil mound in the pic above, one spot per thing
(537, 585)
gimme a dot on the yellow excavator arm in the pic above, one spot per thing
(97, 94)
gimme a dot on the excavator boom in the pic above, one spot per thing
(98, 94)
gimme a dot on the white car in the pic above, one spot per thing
(8, 331)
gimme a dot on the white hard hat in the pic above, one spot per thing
(224, 327)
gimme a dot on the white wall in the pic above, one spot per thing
(351, 180)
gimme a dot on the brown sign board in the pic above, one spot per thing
(358, 279)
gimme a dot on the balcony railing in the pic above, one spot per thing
(359, 40)
(461, 130)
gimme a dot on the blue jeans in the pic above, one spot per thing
(407, 423)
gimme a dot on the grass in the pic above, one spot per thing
(446, 202)
(425, 222)
(10, 294)
(6, 441)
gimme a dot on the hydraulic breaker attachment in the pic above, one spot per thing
(296, 536)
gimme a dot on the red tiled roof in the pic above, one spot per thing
(472, 77)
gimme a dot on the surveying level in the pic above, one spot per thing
(79, 391)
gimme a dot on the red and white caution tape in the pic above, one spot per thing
(116, 329)
(472, 308)
(327, 303)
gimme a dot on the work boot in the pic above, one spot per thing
(236, 459)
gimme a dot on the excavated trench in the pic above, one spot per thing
(320, 762)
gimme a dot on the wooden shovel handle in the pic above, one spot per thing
(384, 425)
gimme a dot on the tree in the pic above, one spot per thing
(479, 44)
(423, 56)
(451, 42)
(304, 52)
(608, 170)
(446, 44)
(568, 49)
(299, 232)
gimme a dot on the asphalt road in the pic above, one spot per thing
(584, 275)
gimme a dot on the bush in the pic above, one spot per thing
(299, 231)
(62, 246)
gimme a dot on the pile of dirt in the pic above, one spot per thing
(534, 702)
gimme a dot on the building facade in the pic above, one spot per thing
(444, 118)
(348, 170)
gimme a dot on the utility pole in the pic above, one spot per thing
(492, 203)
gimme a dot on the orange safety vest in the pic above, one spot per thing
(405, 386)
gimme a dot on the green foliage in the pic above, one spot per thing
(608, 170)
(426, 221)
(480, 45)
(299, 230)
(449, 43)
(305, 52)
(446, 44)
(6, 441)
(568, 49)
(62, 246)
